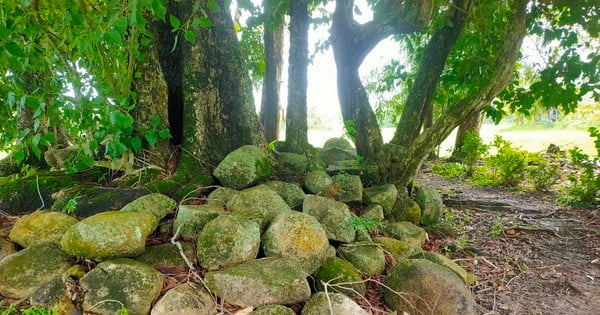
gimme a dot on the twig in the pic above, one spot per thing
(37, 183)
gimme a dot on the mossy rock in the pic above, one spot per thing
(260, 203)
(385, 196)
(374, 212)
(333, 215)
(335, 271)
(25, 271)
(317, 182)
(367, 257)
(191, 219)
(322, 303)
(244, 167)
(167, 257)
(291, 193)
(432, 206)
(119, 283)
(186, 298)
(414, 285)
(190, 175)
(297, 236)
(55, 295)
(109, 234)
(273, 310)
(226, 241)
(406, 231)
(368, 173)
(6, 248)
(86, 200)
(396, 248)
(221, 196)
(260, 282)
(291, 164)
(407, 210)
(155, 204)
(348, 188)
(446, 262)
(41, 227)
(441, 229)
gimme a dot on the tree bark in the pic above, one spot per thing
(270, 102)
(405, 161)
(471, 124)
(351, 43)
(296, 127)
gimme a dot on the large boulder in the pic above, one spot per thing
(25, 271)
(120, 283)
(384, 196)
(226, 241)
(156, 204)
(406, 231)
(339, 276)
(183, 299)
(191, 219)
(260, 282)
(298, 236)
(243, 168)
(41, 227)
(332, 303)
(260, 204)
(291, 193)
(368, 257)
(333, 215)
(348, 188)
(109, 234)
(317, 182)
(414, 285)
(432, 206)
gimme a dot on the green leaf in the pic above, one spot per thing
(113, 37)
(202, 22)
(190, 36)
(165, 134)
(15, 50)
(36, 139)
(136, 144)
(213, 6)
(175, 22)
(23, 134)
(19, 156)
(36, 150)
(151, 138)
(158, 9)
(155, 122)
(120, 120)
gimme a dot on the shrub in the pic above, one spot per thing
(450, 170)
(509, 161)
(584, 184)
(541, 172)
(472, 150)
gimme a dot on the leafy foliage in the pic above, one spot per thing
(450, 170)
(584, 184)
(472, 150)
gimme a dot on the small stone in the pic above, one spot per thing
(156, 204)
(348, 188)
(340, 276)
(385, 196)
(187, 298)
(243, 167)
(317, 182)
(367, 257)
(406, 231)
(291, 193)
(333, 215)
(432, 206)
(191, 219)
(324, 303)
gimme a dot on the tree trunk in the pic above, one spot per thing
(296, 138)
(218, 108)
(471, 124)
(405, 160)
(351, 43)
(270, 102)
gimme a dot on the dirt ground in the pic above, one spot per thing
(531, 256)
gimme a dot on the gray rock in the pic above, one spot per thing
(333, 304)
(25, 271)
(273, 310)
(368, 257)
(432, 206)
(406, 209)
(385, 196)
(369, 173)
(291, 193)
(337, 149)
(187, 298)
(291, 163)
(340, 276)
(260, 282)
(167, 257)
(333, 215)
(396, 248)
(340, 143)
(55, 294)
(109, 234)
(317, 182)
(41, 227)
(191, 219)
(244, 167)
(155, 204)
(374, 212)
(348, 188)
(119, 283)
(260, 204)
(406, 231)
(226, 241)
(420, 284)
(297, 236)
(221, 196)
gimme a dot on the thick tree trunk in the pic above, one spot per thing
(296, 138)
(404, 161)
(270, 102)
(471, 124)
(351, 43)
(219, 113)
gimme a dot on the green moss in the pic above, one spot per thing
(189, 177)
(338, 271)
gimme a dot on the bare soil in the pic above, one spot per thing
(530, 255)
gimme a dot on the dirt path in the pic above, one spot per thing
(531, 256)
